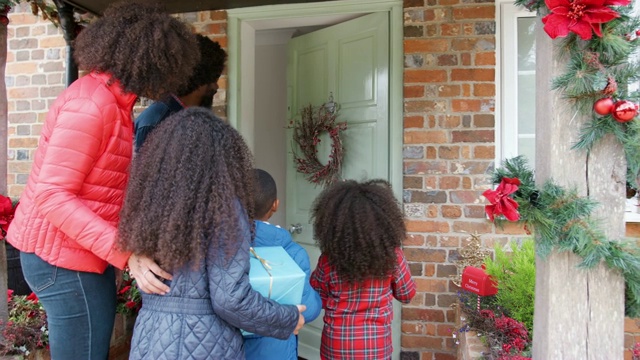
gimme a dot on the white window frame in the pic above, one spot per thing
(507, 90)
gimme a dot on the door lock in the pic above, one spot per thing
(295, 229)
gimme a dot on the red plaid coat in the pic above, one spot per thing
(357, 319)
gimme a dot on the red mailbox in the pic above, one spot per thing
(477, 281)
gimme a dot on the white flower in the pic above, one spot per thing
(23, 348)
(457, 342)
(455, 335)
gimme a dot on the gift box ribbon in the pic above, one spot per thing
(266, 266)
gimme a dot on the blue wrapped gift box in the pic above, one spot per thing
(275, 275)
(281, 279)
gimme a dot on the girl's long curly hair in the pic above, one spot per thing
(150, 52)
(358, 226)
(187, 184)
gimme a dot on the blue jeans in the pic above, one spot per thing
(80, 308)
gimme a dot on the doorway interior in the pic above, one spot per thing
(257, 89)
(257, 67)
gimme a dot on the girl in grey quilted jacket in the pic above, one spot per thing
(188, 206)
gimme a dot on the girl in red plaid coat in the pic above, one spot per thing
(359, 228)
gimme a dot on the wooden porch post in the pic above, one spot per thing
(579, 313)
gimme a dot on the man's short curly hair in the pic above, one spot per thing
(358, 226)
(147, 50)
(187, 185)
(210, 67)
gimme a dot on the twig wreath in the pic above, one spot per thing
(596, 81)
(306, 135)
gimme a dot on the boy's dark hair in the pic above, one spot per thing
(186, 188)
(266, 192)
(358, 226)
(147, 50)
(210, 67)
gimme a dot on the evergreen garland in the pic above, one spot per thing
(597, 68)
(561, 220)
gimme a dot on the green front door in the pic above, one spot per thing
(348, 62)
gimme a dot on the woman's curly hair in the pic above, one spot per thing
(185, 192)
(147, 50)
(358, 226)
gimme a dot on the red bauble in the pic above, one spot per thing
(624, 110)
(4, 20)
(603, 106)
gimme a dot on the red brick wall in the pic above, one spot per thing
(449, 148)
(34, 77)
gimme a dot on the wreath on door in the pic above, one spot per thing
(306, 137)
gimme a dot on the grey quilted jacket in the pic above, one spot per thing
(200, 317)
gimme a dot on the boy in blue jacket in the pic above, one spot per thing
(266, 204)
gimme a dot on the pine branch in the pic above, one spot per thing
(594, 131)
(562, 221)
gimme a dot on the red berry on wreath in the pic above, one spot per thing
(637, 32)
(603, 106)
(624, 110)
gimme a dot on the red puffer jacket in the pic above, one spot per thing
(70, 208)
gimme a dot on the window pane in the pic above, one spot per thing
(526, 44)
(527, 103)
(527, 147)
(526, 88)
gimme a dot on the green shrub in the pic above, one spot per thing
(515, 273)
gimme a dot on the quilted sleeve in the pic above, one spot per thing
(74, 146)
(310, 297)
(402, 284)
(236, 302)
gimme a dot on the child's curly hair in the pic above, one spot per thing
(187, 184)
(150, 52)
(358, 226)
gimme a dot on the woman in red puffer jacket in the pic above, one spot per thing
(65, 225)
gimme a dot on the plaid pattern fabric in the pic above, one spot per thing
(357, 319)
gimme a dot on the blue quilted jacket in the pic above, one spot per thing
(200, 317)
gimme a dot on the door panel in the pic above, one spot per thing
(350, 62)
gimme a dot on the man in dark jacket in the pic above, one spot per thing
(199, 91)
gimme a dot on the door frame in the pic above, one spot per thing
(242, 25)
